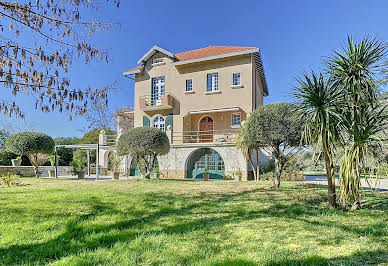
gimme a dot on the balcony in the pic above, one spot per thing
(209, 136)
(156, 102)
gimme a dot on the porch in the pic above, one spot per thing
(210, 126)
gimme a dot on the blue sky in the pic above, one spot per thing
(294, 36)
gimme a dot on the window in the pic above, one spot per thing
(236, 119)
(212, 82)
(158, 61)
(159, 122)
(236, 79)
(189, 85)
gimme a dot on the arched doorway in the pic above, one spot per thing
(136, 164)
(205, 159)
(206, 129)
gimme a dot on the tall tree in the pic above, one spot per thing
(38, 44)
(275, 128)
(355, 72)
(321, 103)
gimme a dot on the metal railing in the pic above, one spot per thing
(208, 136)
(110, 140)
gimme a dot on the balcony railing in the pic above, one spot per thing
(210, 136)
(156, 102)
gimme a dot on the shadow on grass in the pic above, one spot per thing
(76, 237)
(359, 258)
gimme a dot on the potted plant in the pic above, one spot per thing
(51, 159)
(78, 168)
(237, 175)
(116, 167)
(17, 162)
(156, 172)
(205, 175)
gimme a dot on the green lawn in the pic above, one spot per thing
(63, 222)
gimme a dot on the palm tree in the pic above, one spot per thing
(320, 102)
(354, 72)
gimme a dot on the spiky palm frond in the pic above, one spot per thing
(356, 68)
(320, 101)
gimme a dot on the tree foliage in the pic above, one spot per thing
(36, 146)
(3, 137)
(39, 42)
(65, 155)
(276, 128)
(144, 143)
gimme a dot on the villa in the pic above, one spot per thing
(199, 98)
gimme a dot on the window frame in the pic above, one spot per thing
(159, 116)
(158, 61)
(239, 79)
(216, 82)
(191, 89)
(232, 119)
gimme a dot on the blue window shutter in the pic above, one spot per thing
(146, 121)
(169, 121)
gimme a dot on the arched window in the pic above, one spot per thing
(159, 122)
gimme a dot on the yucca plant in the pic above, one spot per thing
(321, 101)
(354, 72)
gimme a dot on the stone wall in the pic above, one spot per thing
(28, 171)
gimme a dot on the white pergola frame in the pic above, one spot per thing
(88, 148)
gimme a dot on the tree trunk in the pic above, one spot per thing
(331, 194)
(36, 171)
(249, 155)
(257, 165)
(329, 163)
(278, 172)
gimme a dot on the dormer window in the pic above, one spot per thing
(157, 61)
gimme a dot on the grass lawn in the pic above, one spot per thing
(64, 222)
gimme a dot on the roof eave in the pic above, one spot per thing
(152, 51)
(178, 63)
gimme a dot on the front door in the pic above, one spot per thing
(158, 90)
(206, 129)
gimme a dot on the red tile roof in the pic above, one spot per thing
(210, 51)
(135, 68)
(204, 52)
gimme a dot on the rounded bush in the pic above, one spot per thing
(143, 140)
(26, 143)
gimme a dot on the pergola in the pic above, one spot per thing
(88, 148)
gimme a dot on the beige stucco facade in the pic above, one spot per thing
(186, 110)
(247, 97)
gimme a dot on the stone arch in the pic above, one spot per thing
(205, 158)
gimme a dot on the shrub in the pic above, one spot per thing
(144, 143)
(269, 166)
(6, 157)
(37, 146)
(10, 179)
(78, 165)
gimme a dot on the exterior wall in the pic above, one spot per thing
(175, 82)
